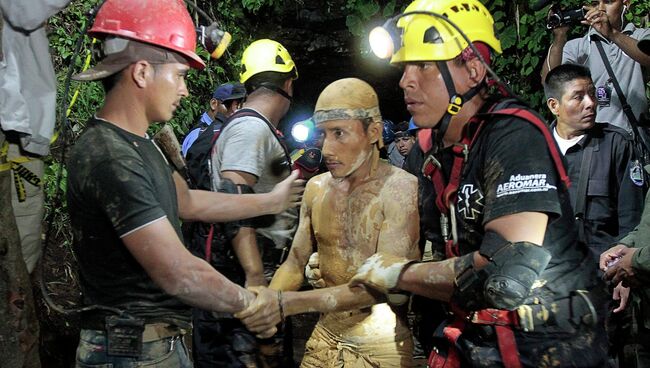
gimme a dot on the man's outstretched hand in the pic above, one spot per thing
(381, 272)
(263, 314)
(288, 192)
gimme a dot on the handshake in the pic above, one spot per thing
(266, 311)
(262, 315)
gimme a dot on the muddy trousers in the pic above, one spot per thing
(19, 329)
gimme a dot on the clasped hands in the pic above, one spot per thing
(380, 272)
(264, 313)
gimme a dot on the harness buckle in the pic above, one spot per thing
(430, 160)
(589, 315)
(455, 104)
(462, 148)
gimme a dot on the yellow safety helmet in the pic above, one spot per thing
(266, 56)
(425, 37)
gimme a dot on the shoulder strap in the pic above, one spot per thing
(446, 191)
(250, 112)
(541, 125)
(627, 109)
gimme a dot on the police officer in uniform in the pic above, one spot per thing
(607, 183)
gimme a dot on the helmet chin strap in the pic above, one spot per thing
(455, 102)
(276, 89)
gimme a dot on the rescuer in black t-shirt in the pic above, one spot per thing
(520, 288)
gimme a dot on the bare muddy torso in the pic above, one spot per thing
(347, 224)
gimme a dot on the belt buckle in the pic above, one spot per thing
(494, 317)
(124, 336)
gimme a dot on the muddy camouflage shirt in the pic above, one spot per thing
(119, 182)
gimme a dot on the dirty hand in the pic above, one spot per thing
(610, 255)
(622, 269)
(263, 314)
(381, 271)
(288, 192)
(621, 293)
(598, 20)
(312, 272)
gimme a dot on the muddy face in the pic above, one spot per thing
(346, 146)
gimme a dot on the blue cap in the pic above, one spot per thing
(229, 91)
(403, 129)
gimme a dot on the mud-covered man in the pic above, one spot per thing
(363, 205)
(521, 289)
(125, 199)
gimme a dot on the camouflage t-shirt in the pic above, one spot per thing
(119, 182)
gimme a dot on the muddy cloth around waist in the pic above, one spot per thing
(327, 348)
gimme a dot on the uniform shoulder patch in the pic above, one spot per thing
(636, 173)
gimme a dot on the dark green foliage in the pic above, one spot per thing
(525, 41)
(522, 32)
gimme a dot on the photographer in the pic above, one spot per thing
(618, 40)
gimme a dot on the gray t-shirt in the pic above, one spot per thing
(628, 72)
(247, 144)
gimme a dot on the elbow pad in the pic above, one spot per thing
(232, 227)
(506, 281)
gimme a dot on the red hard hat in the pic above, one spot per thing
(164, 23)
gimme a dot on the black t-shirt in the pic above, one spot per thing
(510, 170)
(119, 182)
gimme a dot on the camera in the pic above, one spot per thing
(557, 17)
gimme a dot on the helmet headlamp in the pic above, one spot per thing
(303, 131)
(214, 39)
